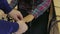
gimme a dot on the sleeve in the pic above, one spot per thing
(8, 27)
(5, 6)
(13, 3)
(41, 8)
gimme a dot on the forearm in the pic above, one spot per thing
(5, 6)
(28, 18)
(41, 8)
(8, 27)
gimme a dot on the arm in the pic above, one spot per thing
(5, 6)
(39, 10)
(8, 27)
(7, 9)
(13, 3)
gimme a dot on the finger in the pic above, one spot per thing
(23, 27)
(16, 18)
(20, 17)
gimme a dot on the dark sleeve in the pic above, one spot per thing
(5, 6)
(41, 8)
(8, 27)
(13, 3)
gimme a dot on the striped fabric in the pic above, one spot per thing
(34, 7)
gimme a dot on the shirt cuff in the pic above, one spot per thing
(15, 27)
(6, 7)
(6, 26)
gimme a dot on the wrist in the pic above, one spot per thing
(28, 18)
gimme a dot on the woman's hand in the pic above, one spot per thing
(16, 15)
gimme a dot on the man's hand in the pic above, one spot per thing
(16, 15)
(22, 27)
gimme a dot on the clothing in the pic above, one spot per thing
(34, 7)
(38, 8)
(39, 25)
(7, 27)
(5, 6)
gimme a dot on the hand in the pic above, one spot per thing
(16, 15)
(22, 27)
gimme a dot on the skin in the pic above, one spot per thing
(22, 27)
(28, 18)
(16, 15)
